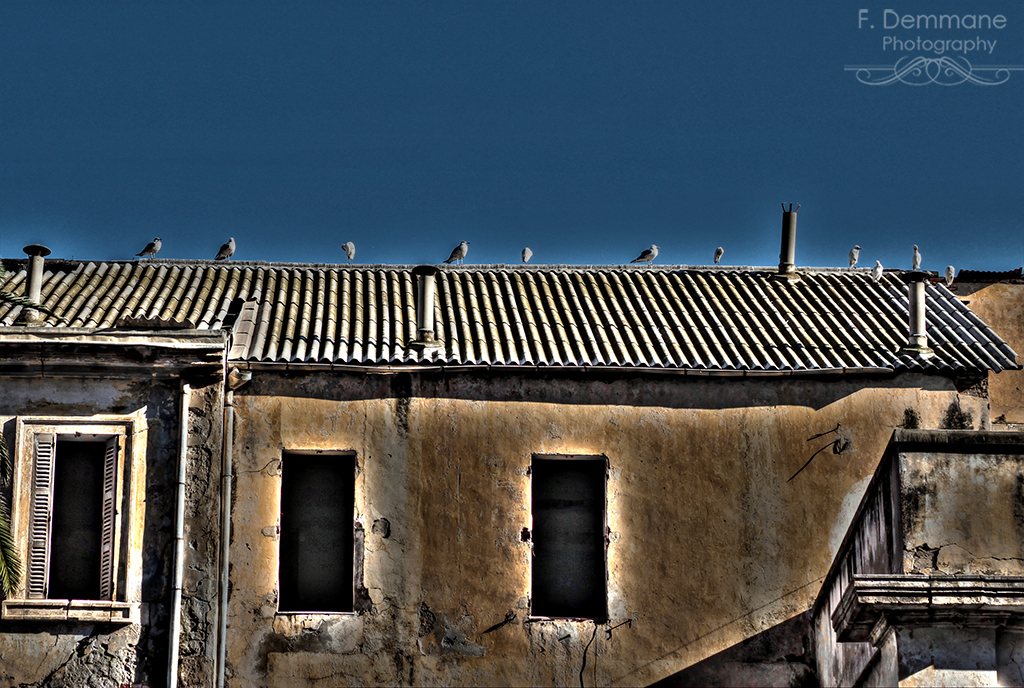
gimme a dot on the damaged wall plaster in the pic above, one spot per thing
(697, 500)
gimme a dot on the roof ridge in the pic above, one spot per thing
(539, 267)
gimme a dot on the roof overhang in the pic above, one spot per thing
(87, 352)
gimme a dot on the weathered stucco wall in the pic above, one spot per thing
(962, 513)
(80, 654)
(943, 503)
(709, 544)
(1001, 306)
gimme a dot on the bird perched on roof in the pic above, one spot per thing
(227, 250)
(854, 256)
(350, 250)
(527, 254)
(876, 272)
(152, 248)
(719, 252)
(950, 274)
(459, 253)
(917, 259)
(647, 256)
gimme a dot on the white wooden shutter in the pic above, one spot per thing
(39, 519)
(107, 539)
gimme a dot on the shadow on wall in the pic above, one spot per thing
(588, 388)
(779, 656)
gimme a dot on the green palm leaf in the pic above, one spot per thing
(10, 564)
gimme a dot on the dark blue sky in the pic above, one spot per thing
(587, 131)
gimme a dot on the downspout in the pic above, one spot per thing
(225, 534)
(179, 541)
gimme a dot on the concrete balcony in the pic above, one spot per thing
(928, 585)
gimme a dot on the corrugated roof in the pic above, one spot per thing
(681, 318)
(989, 276)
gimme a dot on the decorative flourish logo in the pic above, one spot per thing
(945, 71)
(945, 43)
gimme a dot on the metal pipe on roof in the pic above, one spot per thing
(787, 255)
(36, 253)
(425, 289)
(917, 335)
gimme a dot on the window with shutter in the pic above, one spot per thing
(107, 535)
(79, 526)
(37, 573)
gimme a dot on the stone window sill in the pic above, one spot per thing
(95, 611)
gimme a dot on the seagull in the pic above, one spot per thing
(917, 258)
(719, 252)
(527, 254)
(227, 250)
(152, 248)
(350, 250)
(854, 256)
(950, 273)
(459, 253)
(647, 256)
(876, 272)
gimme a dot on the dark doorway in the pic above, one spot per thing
(317, 525)
(568, 537)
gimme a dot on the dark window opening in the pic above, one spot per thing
(317, 525)
(76, 528)
(569, 570)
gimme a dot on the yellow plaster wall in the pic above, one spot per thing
(1001, 306)
(709, 544)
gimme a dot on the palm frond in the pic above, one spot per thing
(10, 564)
(6, 467)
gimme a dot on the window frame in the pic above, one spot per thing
(124, 506)
(358, 537)
(595, 458)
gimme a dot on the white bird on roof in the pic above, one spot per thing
(854, 256)
(950, 274)
(459, 253)
(876, 272)
(350, 250)
(527, 254)
(719, 252)
(227, 250)
(152, 248)
(917, 259)
(647, 256)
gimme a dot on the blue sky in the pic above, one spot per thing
(587, 131)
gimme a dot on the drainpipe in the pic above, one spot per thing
(917, 336)
(225, 535)
(36, 253)
(787, 255)
(426, 276)
(179, 541)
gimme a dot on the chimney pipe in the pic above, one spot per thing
(36, 253)
(787, 255)
(425, 283)
(917, 336)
